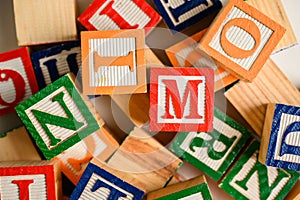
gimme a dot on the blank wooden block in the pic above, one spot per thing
(241, 38)
(113, 62)
(280, 144)
(212, 152)
(30, 180)
(43, 21)
(250, 99)
(249, 179)
(195, 188)
(58, 117)
(145, 159)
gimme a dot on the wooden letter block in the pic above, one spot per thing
(113, 62)
(250, 99)
(212, 152)
(42, 21)
(195, 188)
(50, 64)
(241, 38)
(249, 179)
(17, 79)
(181, 99)
(30, 180)
(96, 183)
(184, 54)
(57, 117)
(181, 14)
(280, 145)
(119, 14)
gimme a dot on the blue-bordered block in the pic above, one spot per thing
(181, 14)
(97, 183)
(50, 64)
(280, 146)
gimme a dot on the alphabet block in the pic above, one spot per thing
(30, 180)
(241, 38)
(212, 152)
(50, 64)
(119, 14)
(41, 21)
(195, 188)
(185, 54)
(57, 117)
(250, 99)
(181, 99)
(17, 79)
(107, 69)
(96, 183)
(249, 179)
(181, 14)
(280, 143)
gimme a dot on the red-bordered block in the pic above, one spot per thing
(17, 79)
(119, 14)
(181, 99)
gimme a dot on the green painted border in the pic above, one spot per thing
(70, 87)
(216, 175)
(238, 166)
(203, 188)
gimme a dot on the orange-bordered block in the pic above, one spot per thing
(113, 62)
(114, 15)
(17, 79)
(185, 54)
(242, 38)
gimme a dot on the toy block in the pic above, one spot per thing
(17, 79)
(17, 145)
(50, 64)
(100, 145)
(280, 144)
(181, 99)
(37, 25)
(32, 180)
(145, 159)
(179, 15)
(116, 14)
(195, 188)
(97, 183)
(107, 69)
(241, 39)
(250, 99)
(275, 10)
(212, 152)
(185, 54)
(249, 179)
(58, 117)
(294, 194)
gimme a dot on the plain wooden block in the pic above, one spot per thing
(17, 79)
(113, 70)
(212, 152)
(185, 54)
(294, 194)
(43, 21)
(170, 107)
(115, 15)
(249, 179)
(58, 117)
(270, 86)
(32, 180)
(280, 144)
(241, 38)
(145, 159)
(195, 188)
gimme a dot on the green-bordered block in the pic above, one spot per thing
(57, 117)
(212, 152)
(249, 179)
